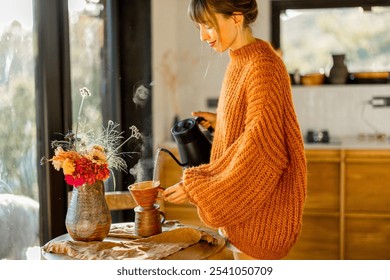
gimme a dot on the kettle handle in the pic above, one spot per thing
(198, 120)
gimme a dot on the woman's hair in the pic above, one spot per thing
(202, 11)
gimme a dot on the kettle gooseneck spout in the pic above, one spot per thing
(173, 156)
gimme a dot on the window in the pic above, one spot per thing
(19, 207)
(308, 34)
(86, 41)
(48, 50)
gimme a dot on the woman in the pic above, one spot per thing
(254, 187)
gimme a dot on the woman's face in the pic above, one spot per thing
(227, 36)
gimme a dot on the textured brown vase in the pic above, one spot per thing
(88, 217)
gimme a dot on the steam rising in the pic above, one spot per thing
(141, 95)
(137, 171)
(140, 170)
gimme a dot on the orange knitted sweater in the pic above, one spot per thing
(254, 187)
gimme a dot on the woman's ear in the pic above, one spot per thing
(238, 18)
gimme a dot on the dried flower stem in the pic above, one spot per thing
(134, 134)
(84, 92)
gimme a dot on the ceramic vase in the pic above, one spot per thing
(88, 217)
(339, 72)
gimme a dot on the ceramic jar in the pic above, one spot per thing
(339, 72)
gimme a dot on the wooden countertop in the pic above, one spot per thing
(336, 143)
(350, 143)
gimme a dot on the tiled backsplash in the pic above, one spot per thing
(342, 110)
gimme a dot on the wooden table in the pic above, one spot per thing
(200, 250)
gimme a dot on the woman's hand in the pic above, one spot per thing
(175, 194)
(210, 119)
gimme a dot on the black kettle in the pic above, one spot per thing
(194, 146)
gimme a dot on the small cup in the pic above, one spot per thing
(145, 193)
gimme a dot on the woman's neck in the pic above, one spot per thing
(244, 38)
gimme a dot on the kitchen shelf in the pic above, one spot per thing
(327, 86)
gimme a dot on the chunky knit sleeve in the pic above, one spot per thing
(249, 152)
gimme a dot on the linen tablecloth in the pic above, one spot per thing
(177, 241)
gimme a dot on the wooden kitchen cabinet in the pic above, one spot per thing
(319, 239)
(323, 179)
(347, 211)
(320, 235)
(367, 205)
(355, 187)
(367, 182)
(367, 237)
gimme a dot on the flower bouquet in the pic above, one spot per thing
(85, 158)
(86, 161)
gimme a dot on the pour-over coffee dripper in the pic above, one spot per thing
(148, 217)
(145, 193)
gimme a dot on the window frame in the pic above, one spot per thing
(53, 91)
(53, 107)
(279, 6)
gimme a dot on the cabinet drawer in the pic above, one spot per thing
(368, 187)
(323, 181)
(319, 239)
(367, 238)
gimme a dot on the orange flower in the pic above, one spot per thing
(68, 166)
(61, 156)
(97, 155)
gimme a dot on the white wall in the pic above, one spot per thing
(196, 72)
(343, 110)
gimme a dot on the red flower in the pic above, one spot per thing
(87, 171)
(74, 181)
